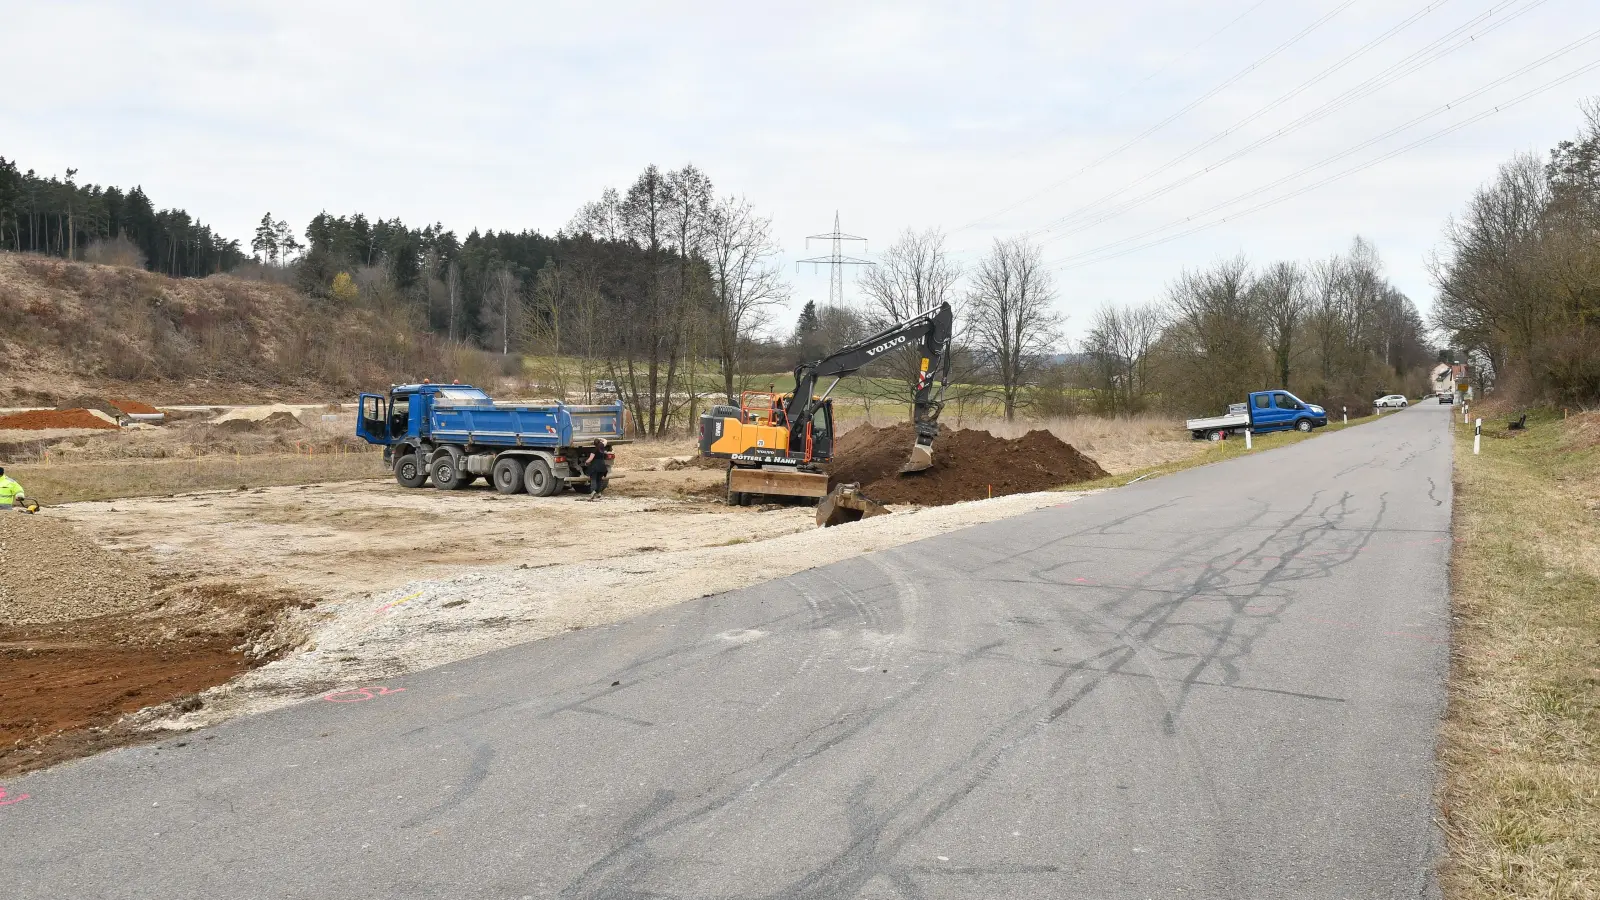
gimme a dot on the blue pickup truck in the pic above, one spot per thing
(451, 434)
(1264, 411)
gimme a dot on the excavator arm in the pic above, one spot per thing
(934, 329)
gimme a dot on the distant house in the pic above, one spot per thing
(1450, 377)
(1441, 377)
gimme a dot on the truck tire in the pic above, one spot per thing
(409, 472)
(1220, 434)
(1303, 425)
(447, 472)
(538, 480)
(507, 475)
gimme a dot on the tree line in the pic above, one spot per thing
(1518, 274)
(1334, 331)
(60, 217)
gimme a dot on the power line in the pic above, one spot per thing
(1298, 36)
(835, 261)
(1099, 255)
(1088, 217)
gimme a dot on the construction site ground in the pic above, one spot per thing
(177, 610)
(237, 559)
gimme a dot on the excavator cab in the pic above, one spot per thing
(760, 427)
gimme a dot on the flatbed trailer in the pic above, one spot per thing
(1264, 411)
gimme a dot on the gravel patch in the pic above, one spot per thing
(53, 574)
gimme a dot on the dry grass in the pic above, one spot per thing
(1118, 445)
(1521, 744)
(109, 480)
(1200, 453)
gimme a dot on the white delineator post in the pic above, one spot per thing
(1346, 411)
(1247, 438)
(1477, 436)
(1463, 413)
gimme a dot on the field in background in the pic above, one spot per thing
(1521, 745)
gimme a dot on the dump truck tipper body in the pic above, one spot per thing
(451, 434)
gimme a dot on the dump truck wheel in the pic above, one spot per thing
(447, 474)
(409, 472)
(538, 480)
(507, 475)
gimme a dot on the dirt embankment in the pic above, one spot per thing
(967, 465)
(87, 634)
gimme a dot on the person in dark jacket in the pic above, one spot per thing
(597, 467)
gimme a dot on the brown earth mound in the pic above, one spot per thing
(40, 419)
(967, 465)
(134, 407)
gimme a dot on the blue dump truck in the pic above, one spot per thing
(452, 434)
(1264, 411)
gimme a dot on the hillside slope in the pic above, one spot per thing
(67, 328)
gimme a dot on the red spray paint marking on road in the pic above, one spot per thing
(357, 695)
(7, 801)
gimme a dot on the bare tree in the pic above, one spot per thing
(1216, 334)
(1282, 301)
(689, 224)
(600, 219)
(745, 281)
(1119, 345)
(500, 310)
(1013, 323)
(452, 283)
(913, 276)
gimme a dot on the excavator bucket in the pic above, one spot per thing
(921, 458)
(846, 503)
(922, 450)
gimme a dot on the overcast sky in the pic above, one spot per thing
(970, 117)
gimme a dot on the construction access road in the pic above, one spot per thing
(1223, 683)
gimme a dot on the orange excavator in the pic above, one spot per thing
(780, 444)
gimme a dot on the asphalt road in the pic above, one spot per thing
(1224, 683)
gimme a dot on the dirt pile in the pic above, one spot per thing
(134, 407)
(277, 421)
(40, 419)
(967, 465)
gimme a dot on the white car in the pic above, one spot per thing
(1398, 401)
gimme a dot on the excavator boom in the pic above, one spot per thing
(933, 331)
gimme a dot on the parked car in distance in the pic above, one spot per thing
(1448, 398)
(1397, 401)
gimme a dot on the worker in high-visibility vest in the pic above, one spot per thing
(11, 493)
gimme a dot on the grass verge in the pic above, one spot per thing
(114, 479)
(1222, 450)
(1520, 750)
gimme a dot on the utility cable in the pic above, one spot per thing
(1274, 52)
(1099, 254)
(1088, 216)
